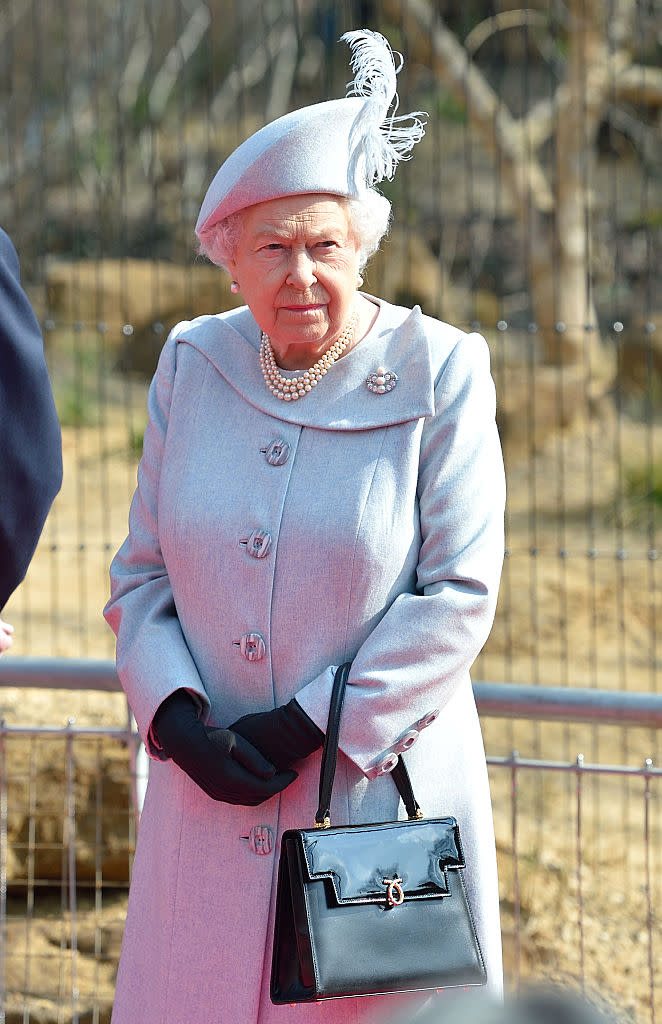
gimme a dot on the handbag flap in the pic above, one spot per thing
(360, 860)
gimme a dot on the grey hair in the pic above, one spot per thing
(369, 218)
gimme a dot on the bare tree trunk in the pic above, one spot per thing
(554, 209)
(561, 289)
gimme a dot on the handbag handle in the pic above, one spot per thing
(330, 758)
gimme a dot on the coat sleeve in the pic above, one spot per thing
(153, 659)
(29, 427)
(421, 650)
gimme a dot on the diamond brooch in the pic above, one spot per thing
(381, 381)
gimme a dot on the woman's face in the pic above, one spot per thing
(297, 266)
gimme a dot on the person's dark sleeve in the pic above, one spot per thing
(30, 438)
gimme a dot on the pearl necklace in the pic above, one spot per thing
(289, 389)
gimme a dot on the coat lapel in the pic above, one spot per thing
(342, 401)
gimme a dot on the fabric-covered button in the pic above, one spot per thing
(252, 646)
(407, 741)
(387, 764)
(261, 840)
(258, 543)
(277, 453)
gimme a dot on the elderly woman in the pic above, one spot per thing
(321, 482)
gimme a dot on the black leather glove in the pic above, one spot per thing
(221, 763)
(284, 735)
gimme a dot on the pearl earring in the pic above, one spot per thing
(359, 281)
(234, 287)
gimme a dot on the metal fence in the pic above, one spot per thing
(579, 847)
(530, 212)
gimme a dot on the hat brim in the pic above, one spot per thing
(306, 151)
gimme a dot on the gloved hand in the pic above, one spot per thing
(284, 735)
(221, 763)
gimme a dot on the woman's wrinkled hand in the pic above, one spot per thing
(223, 764)
(6, 638)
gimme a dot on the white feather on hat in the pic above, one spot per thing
(341, 146)
(382, 140)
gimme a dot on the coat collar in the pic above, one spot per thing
(397, 341)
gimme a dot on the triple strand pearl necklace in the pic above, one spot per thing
(289, 389)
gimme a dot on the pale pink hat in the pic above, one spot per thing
(341, 146)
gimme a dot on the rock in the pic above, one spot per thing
(405, 271)
(149, 296)
(47, 954)
(640, 363)
(39, 778)
(532, 406)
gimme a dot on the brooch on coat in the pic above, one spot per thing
(381, 381)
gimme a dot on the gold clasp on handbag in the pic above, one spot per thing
(394, 893)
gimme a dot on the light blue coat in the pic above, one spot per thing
(270, 542)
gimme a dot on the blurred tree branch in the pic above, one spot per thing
(554, 203)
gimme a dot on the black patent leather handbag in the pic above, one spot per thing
(371, 909)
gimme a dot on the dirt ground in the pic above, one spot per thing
(579, 859)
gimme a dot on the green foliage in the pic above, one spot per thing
(102, 153)
(135, 446)
(651, 217)
(78, 366)
(447, 108)
(74, 407)
(644, 483)
(642, 493)
(140, 116)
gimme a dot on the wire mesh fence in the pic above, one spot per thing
(530, 212)
(68, 819)
(580, 880)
